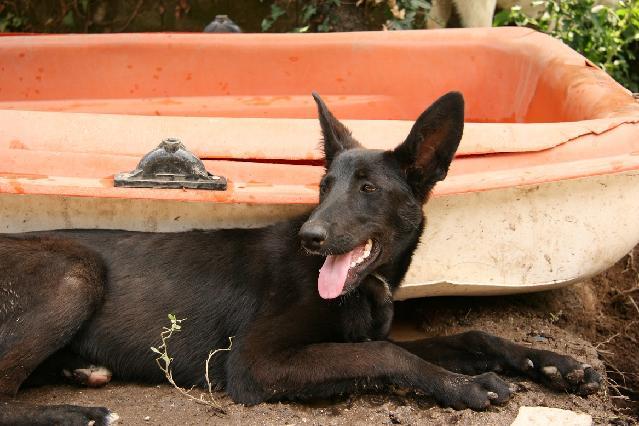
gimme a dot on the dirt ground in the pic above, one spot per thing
(597, 321)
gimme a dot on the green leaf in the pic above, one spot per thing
(266, 24)
(68, 19)
(325, 26)
(420, 4)
(276, 11)
(307, 12)
(502, 18)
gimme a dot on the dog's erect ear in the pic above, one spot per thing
(336, 137)
(431, 144)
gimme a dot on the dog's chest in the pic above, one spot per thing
(367, 313)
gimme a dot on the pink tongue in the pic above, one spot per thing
(332, 276)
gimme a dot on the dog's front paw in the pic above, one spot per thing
(561, 372)
(474, 392)
(75, 415)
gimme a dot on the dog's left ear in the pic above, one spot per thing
(336, 137)
(431, 144)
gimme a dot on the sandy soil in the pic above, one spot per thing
(595, 321)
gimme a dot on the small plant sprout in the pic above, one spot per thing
(164, 361)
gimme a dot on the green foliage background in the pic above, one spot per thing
(607, 36)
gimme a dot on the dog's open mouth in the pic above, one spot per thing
(340, 272)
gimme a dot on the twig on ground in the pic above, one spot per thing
(164, 362)
(206, 364)
(634, 303)
(614, 336)
(607, 341)
(628, 291)
(630, 267)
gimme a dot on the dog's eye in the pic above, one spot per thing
(367, 187)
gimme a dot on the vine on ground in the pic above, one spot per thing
(164, 361)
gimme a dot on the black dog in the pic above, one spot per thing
(102, 296)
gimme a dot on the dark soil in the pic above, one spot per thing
(595, 321)
(605, 311)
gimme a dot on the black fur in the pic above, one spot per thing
(105, 295)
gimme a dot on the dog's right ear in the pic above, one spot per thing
(428, 150)
(336, 137)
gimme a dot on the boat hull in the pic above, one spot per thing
(503, 241)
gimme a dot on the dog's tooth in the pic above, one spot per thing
(353, 264)
(366, 254)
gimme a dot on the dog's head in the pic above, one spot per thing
(370, 209)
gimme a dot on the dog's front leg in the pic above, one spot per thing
(328, 369)
(476, 352)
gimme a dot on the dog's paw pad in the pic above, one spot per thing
(553, 376)
(496, 389)
(516, 387)
(112, 419)
(92, 376)
(562, 372)
(575, 376)
(476, 393)
(578, 378)
(591, 382)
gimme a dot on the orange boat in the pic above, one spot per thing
(544, 190)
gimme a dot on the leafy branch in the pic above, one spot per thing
(608, 36)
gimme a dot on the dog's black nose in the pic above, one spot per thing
(313, 235)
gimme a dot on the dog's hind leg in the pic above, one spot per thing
(67, 366)
(476, 352)
(49, 288)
